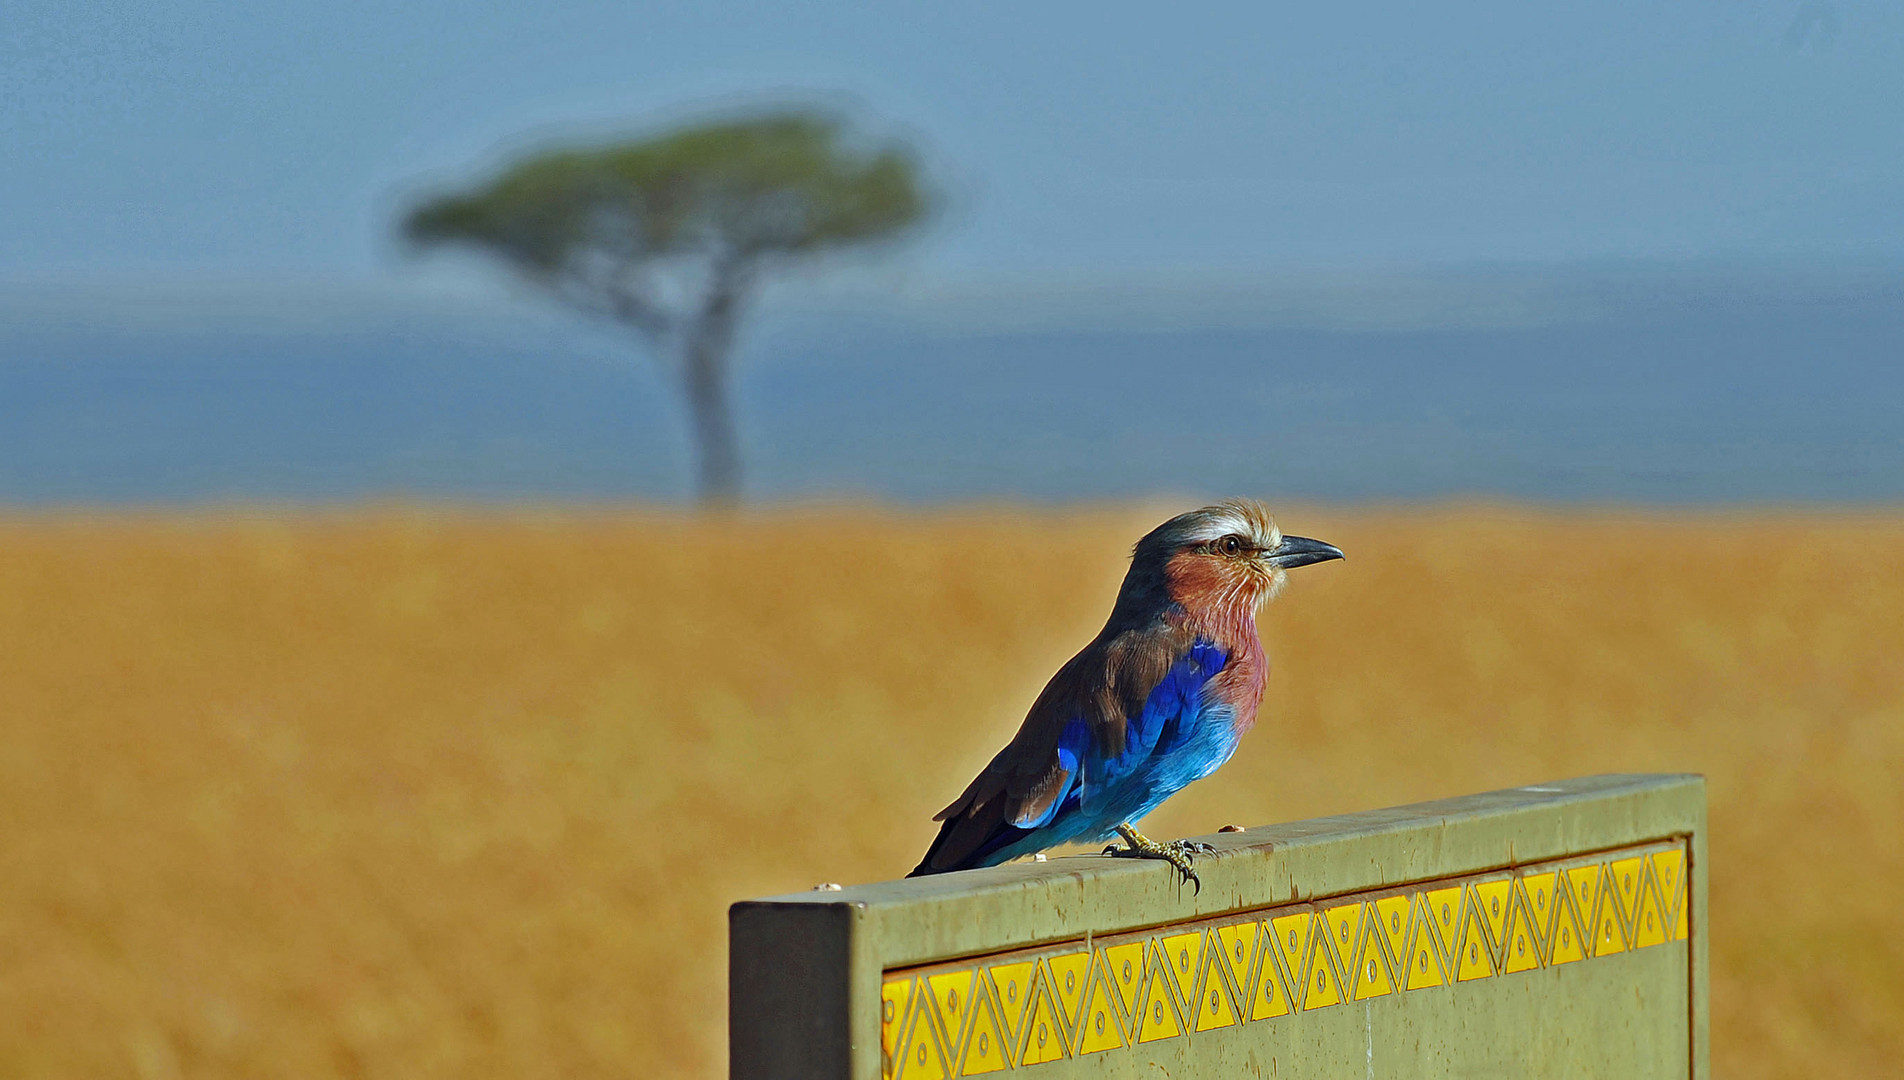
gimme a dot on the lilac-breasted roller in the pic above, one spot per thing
(1158, 699)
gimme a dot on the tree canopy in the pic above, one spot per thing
(669, 233)
(589, 222)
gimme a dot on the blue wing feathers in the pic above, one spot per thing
(1175, 737)
(1171, 710)
(1073, 743)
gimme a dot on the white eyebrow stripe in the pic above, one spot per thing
(1221, 525)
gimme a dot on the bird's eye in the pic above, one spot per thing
(1230, 545)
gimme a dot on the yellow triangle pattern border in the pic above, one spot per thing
(1202, 978)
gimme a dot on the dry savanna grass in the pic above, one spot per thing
(389, 794)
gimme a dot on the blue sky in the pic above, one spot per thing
(1613, 251)
(234, 140)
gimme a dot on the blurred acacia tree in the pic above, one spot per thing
(671, 235)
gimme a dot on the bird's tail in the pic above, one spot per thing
(969, 838)
(934, 861)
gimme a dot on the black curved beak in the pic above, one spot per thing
(1297, 551)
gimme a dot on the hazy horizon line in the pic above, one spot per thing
(1375, 297)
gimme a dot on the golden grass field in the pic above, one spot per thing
(389, 794)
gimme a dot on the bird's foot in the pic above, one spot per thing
(1178, 853)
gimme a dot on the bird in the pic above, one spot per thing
(1160, 698)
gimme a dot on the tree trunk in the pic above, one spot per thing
(705, 372)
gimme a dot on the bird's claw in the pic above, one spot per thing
(1178, 853)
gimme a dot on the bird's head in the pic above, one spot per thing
(1228, 558)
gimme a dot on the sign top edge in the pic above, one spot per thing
(1282, 839)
